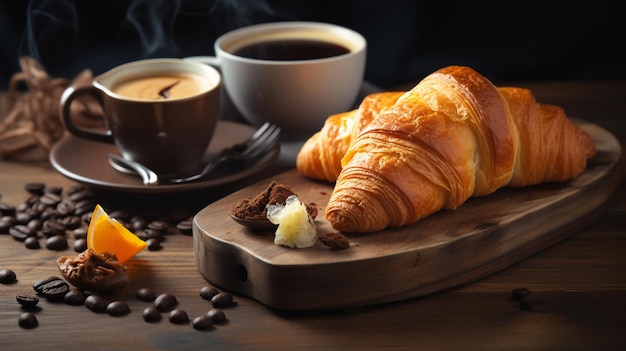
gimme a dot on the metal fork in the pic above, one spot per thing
(263, 140)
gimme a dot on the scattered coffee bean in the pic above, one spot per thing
(6, 209)
(55, 189)
(80, 245)
(154, 244)
(50, 199)
(207, 292)
(32, 243)
(216, 315)
(75, 297)
(158, 225)
(38, 285)
(51, 287)
(165, 302)
(178, 316)
(7, 276)
(526, 303)
(28, 320)
(96, 303)
(185, 227)
(222, 299)
(27, 301)
(20, 232)
(35, 187)
(35, 224)
(520, 293)
(56, 243)
(148, 234)
(53, 227)
(118, 308)
(80, 233)
(146, 294)
(202, 323)
(151, 314)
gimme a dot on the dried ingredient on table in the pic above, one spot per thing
(255, 208)
(334, 240)
(90, 270)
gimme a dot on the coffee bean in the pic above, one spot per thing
(96, 303)
(148, 234)
(27, 301)
(185, 227)
(165, 302)
(28, 320)
(526, 303)
(53, 227)
(7, 276)
(138, 223)
(145, 294)
(158, 225)
(222, 299)
(207, 292)
(177, 316)
(65, 208)
(75, 297)
(50, 199)
(56, 243)
(120, 215)
(5, 224)
(520, 293)
(80, 245)
(23, 217)
(71, 222)
(154, 244)
(32, 242)
(202, 323)
(151, 314)
(80, 233)
(35, 187)
(38, 285)
(52, 288)
(117, 308)
(55, 189)
(20, 232)
(217, 315)
(35, 224)
(6, 209)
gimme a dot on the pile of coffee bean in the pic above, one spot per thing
(57, 219)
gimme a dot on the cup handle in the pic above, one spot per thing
(69, 95)
(207, 60)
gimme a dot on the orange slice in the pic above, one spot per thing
(107, 234)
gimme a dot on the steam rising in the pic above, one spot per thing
(61, 32)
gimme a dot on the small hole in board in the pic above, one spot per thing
(241, 273)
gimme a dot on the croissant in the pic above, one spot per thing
(453, 136)
(320, 156)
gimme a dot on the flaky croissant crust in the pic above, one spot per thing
(453, 136)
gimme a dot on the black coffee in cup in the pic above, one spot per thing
(291, 50)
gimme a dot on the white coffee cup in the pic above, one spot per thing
(295, 94)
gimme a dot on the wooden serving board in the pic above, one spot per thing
(441, 251)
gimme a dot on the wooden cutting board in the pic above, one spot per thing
(441, 251)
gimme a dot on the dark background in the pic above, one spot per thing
(504, 40)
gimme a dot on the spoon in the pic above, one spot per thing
(254, 223)
(123, 165)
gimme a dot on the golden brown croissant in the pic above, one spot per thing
(320, 156)
(452, 136)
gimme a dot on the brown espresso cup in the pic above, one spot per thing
(161, 113)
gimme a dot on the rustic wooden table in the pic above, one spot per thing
(578, 285)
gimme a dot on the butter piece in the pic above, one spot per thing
(295, 227)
